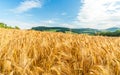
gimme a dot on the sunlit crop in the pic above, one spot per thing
(26, 52)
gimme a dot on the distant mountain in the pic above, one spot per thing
(113, 29)
(64, 29)
(85, 30)
(74, 30)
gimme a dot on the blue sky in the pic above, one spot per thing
(98, 14)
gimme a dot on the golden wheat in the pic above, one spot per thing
(25, 52)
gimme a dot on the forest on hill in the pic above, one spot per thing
(115, 31)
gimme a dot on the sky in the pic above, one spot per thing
(98, 14)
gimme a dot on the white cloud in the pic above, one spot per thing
(27, 5)
(99, 13)
(47, 22)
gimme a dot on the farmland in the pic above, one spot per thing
(29, 52)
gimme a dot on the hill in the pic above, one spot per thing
(63, 29)
(113, 29)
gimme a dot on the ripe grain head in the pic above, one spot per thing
(25, 52)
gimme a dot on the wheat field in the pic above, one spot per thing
(28, 52)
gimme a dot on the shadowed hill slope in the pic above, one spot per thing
(25, 52)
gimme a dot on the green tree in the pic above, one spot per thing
(3, 25)
(16, 27)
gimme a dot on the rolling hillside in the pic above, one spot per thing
(114, 31)
(63, 29)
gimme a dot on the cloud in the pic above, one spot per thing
(27, 5)
(99, 13)
(47, 22)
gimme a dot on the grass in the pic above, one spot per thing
(25, 52)
(51, 30)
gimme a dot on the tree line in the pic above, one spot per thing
(108, 33)
(3, 25)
